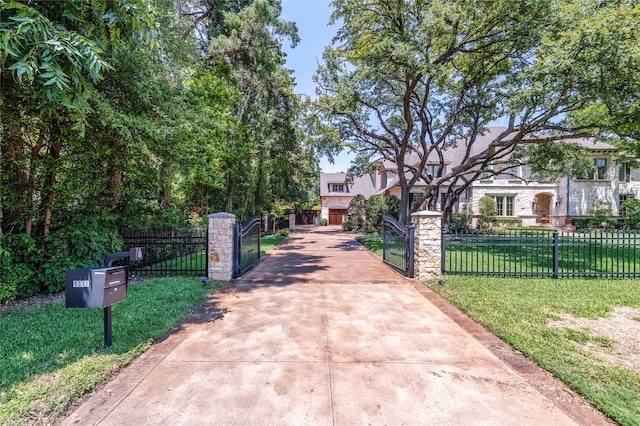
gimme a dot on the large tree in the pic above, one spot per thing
(53, 54)
(263, 161)
(418, 77)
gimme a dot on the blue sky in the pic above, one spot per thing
(312, 18)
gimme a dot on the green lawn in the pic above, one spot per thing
(52, 355)
(268, 242)
(518, 310)
(373, 241)
(592, 254)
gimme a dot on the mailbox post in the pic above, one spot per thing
(100, 287)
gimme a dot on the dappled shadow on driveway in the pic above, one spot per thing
(290, 267)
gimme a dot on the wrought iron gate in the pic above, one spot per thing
(398, 245)
(246, 247)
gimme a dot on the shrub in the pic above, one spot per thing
(82, 241)
(356, 212)
(581, 222)
(630, 211)
(488, 209)
(508, 221)
(601, 214)
(285, 232)
(458, 222)
(19, 256)
(349, 225)
(324, 222)
(375, 208)
(392, 205)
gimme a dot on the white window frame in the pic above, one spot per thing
(338, 187)
(505, 205)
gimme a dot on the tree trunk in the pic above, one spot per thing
(404, 204)
(50, 193)
(115, 176)
(35, 154)
(166, 198)
(228, 205)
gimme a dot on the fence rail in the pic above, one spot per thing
(398, 246)
(246, 245)
(612, 254)
(169, 251)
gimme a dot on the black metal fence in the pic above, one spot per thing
(398, 245)
(612, 254)
(169, 251)
(246, 245)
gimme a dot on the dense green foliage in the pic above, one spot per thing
(488, 210)
(45, 368)
(367, 213)
(139, 113)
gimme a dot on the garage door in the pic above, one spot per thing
(335, 216)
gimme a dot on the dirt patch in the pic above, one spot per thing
(32, 302)
(622, 328)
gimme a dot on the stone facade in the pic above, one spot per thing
(428, 245)
(220, 261)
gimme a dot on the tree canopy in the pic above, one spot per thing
(419, 77)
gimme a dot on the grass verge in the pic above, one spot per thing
(372, 241)
(52, 355)
(268, 242)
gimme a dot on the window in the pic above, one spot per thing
(600, 173)
(624, 173)
(509, 171)
(432, 170)
(414, 197)
(337, 187)
(488, 174)
(504, 203)
(601, 168)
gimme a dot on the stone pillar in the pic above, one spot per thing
(428, 245)
(220, 261)
(292, 221)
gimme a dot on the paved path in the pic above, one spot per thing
(321, 332)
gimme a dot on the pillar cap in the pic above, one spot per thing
(426, 213)
(223, 215)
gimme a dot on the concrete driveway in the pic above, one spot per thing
(321, 332)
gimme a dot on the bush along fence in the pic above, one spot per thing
(543, 253)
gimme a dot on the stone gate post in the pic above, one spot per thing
(428, 244)
(292, 221)
(220, 261)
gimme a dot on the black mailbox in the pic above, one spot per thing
(96, 287)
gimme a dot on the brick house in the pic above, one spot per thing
(517, 197)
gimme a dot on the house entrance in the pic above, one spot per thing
(543, 207)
